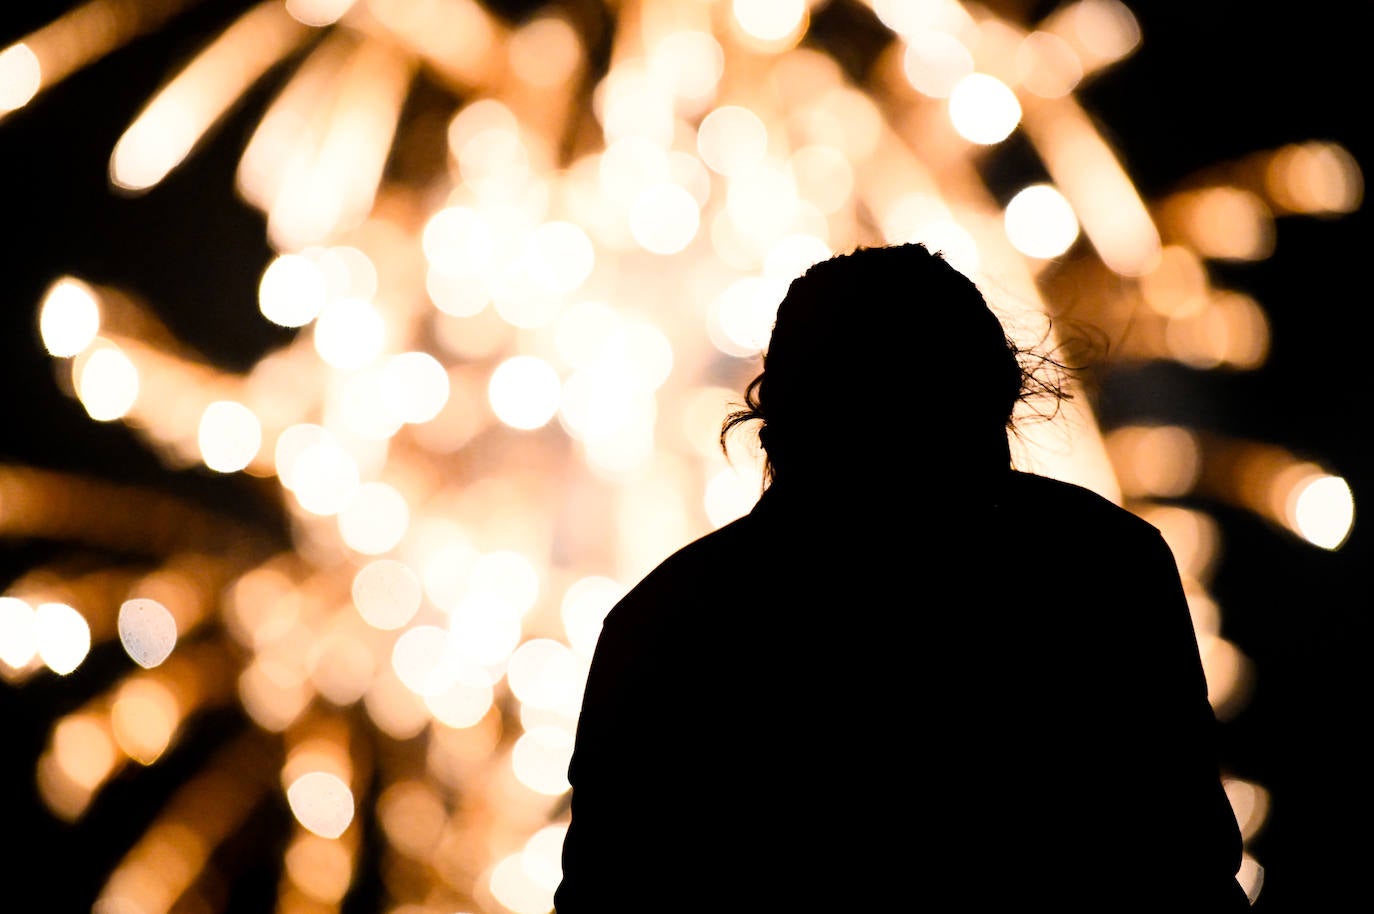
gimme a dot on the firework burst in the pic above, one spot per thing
(525, 261)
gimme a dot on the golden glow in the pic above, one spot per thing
(732, 140)
(1040, 222)
(375, 519)
(1315, 178)
(62, 635)
(544, 673)
(180, 114)
(540, 759)
(664, 219)
(613, 262)
(69, 317)
(84, 749)
(545, 52)
(412, 816)
(420, 659)
(585, 603)
(321, 802)
(982, 109)
(321, 868)
(325, 478)
(229, 437)
(935, 62)
(106, 382)
(318, 12)
(349, 333)
(464, 700)
(1321, 509)
(514, 887)
(1047, 65)
(772, 22)
(1161, 461)
(145, 716)
(292, 291)
(1250, 802)
(524, 392)
(20, 76)
(387, 593)
(147, 631)
(18, 634)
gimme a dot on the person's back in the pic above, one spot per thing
(970, 686)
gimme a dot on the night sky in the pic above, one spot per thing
(1212, 81)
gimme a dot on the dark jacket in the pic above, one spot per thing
(980, 696)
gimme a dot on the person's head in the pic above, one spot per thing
(889, 347)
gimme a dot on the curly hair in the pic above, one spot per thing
(894, 324)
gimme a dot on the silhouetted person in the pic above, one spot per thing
(911, 677)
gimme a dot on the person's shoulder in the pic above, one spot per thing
(1073, 504)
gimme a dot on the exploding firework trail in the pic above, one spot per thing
(512, 358)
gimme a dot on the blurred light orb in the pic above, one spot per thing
(147, 630)
(415, 386)
(1324, 511)
(983, 109)
(69, 317)
(458, 241)
(540, 759)
(584, 606)
(107, 383)
(542, 857)
(62, 635)
(507, 575)
(1047, 65)
(349, 333)
(321, 802)
(18, 633)
(664, 219)
(691, 62)
(746, 310)
(542, 672)
(769, 20)
(732, 140)
(419, 659)
(291, 443)
(545, 51)
(1040, 222)
(293, 290)
(387, 593)
(229, 437)
(524, 391)
(374, 521)
(463, 701)
(483, 630)
(325, 477)
(317, 12)
(516, 889)
(21, 76)
(934, 62)
(561, 256)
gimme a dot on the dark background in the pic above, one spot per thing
(1212, 81)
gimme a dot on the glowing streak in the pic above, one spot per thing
(179, 115)
(1087, 172)
(79, 37)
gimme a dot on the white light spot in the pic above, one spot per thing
(387, 593)
(321, 802)
(524, 392)
(63, 636)
(69, 317)
(147, 630)
(983, 109)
